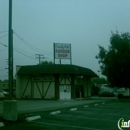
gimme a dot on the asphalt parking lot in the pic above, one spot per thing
(94, 116)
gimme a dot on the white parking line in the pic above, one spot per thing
(70, 126)
(55, 112)
(1, 124)
(73, 109)
(86, 106)
(33, 118)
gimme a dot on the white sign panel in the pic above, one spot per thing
(43, 78)
(62, 51)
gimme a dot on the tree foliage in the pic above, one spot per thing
(115, 61)
(46, 63)
(99, 81)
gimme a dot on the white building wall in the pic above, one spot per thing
(32, 87)
(21, 82)
(51, 91)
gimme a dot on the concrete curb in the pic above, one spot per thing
(33, 118)
(1, 124)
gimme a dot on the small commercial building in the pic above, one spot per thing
(53, 81)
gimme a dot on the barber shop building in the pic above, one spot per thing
(55, 81)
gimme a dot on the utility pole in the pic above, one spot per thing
(7, 62)
(40, 56)
(10, 106)
(10, 51)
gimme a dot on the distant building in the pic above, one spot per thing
(53, 81)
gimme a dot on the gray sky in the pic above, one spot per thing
(83, 23)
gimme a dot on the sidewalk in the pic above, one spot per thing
(27, 106)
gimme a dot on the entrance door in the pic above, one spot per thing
(65, 92)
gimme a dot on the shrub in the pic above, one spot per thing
(106, 94)
(120, 96)
(94, 90)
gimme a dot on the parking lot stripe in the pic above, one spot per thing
(33, 118)
(73, 109)
(1, 124)
(86, 106)
(55, 112)
(70, 126)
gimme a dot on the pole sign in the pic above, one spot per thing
(62, 51)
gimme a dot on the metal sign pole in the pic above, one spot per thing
(54, 51)
(70, 55)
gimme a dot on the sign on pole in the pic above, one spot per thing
(62, 51)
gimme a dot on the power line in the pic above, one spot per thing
(3, 44)
(23, 51)
(31, 46)
(4, 36)
(24, 54)
(3, 50)
(19, 52)
(27, 43)
(2, 69)
(3, 31)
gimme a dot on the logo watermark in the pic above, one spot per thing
(122, 124)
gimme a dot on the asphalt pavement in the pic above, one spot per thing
(74, 115)
(25, 106)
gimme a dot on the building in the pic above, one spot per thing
(53, 81)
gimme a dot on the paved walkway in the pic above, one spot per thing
(25, 106)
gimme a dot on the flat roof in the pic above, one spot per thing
(55, 69)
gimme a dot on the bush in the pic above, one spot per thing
(106, 94)
(120, 96)
(94, 90)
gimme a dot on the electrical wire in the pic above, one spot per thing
(23, 51)
(30, 46)
(3, 31)
(3, 50)
(24, 54)
(2, 69)
(4, 36)
(19, 52)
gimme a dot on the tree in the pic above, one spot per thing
(99, 81)
(46, 63)
(115, 61)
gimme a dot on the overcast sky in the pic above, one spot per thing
(37, 24)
